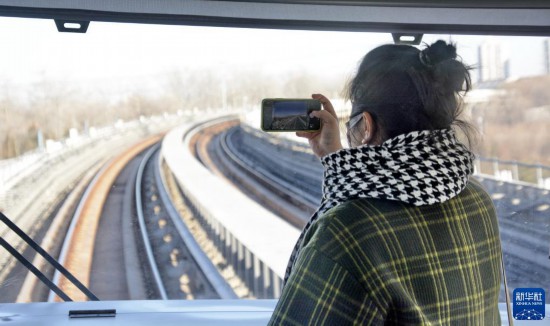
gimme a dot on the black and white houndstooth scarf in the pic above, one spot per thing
(419, 168)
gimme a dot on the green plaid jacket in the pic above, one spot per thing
(381, 262)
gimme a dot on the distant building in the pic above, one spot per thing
(506, 68)
(491, 65)
(546, 56)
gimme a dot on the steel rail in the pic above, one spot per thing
(65, 248)
(141, 220)
(210, 271)
(280, 187)
(253, 150)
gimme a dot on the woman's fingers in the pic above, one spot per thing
(327, 139)
(326, 117)
(308, 135)
(327, 105)
(327, 122)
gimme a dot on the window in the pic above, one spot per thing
(81, 114)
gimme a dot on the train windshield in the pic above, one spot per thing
(135, 156)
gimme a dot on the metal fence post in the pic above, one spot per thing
(277, 282)
(540, 179)
(249, 270)
(240, 261)
(258, 281)
(515, 171)
(267, 290)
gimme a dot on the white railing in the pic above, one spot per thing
(515, 172)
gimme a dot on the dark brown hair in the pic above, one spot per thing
(405, 89)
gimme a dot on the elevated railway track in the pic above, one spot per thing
(123, 240)
(145, 218)
(42, 200)
(284, 174)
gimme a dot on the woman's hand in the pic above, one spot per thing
(326, 140)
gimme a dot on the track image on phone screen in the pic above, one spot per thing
(289, 115)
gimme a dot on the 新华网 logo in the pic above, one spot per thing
(529, 304)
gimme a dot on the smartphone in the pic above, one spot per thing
(280, 114)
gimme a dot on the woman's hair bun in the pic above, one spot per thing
(447, 74)
(439, 51)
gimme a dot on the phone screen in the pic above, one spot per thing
(289, 115)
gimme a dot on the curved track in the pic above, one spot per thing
(96, 223)
(281, 175)
(179, 270)
(128, 242)
(287, 178)
(125, 240)
(41, 199)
